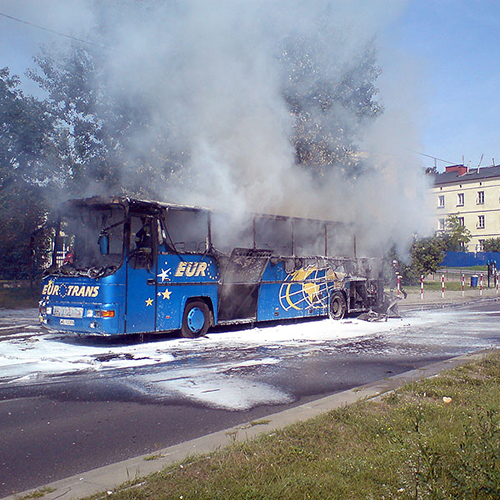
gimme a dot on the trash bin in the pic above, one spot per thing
(473, 280)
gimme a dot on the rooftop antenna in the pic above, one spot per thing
(480, 160)
(493, 162)
(437, 159)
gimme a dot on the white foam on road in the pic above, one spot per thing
(215, 370)
(211, 388)
(24, 353)
(46, 354)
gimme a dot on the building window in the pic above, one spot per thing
(480, 197)
(480, 222)
(461, 221)
(479, 246)
(441, 201)
(460, 200)
(440, 224)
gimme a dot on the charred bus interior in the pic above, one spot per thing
(87, 240)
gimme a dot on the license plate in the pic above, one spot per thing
(67, 322)
(68, 312)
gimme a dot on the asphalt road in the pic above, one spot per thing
(70, 405)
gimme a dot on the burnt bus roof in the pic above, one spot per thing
(148, 205)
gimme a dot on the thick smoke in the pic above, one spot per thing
(211, 78)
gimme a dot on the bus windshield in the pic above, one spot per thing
(89, 241)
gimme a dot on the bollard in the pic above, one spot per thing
(481, 284)
(399, 286)
(442, 286)
(463, 285)
(422, 287)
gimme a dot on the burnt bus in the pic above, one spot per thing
(127, 266)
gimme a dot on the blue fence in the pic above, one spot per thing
(468, 259)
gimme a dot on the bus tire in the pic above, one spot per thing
(196, 319)
(338, 306)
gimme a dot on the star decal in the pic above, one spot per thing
(166, 294)
(164, 275)
(149, 302)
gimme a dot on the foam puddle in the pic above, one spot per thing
(211, 388)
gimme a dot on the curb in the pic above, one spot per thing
(106, 478)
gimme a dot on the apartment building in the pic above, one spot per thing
(473, 194)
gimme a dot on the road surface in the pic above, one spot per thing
(68, 405)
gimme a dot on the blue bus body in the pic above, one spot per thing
(178, 277)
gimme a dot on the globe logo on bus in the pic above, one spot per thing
(306, 287)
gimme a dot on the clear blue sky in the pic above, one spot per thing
(456, 45)
(453, 44)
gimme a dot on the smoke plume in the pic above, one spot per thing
(212, 79)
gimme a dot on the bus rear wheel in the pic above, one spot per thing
(338, 306)
(196, 319)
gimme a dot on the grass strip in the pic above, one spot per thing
(450, 286)
(19, 298)
(437, 438)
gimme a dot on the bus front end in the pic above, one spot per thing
(83, 290)
(82, 305)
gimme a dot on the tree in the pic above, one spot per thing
(26, 149)
(27, 166)
(108, 140)
(426, 256)
(78, 105)
(455, 235)
(329, 114)
(491, 245)
(102, 124)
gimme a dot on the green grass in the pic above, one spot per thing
(468, 268)
(40, 493)
(452, 286)
(19, 298)
(410, 444)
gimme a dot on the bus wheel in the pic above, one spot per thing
(338, 306)
(196, 319)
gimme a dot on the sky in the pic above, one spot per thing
(455, 46)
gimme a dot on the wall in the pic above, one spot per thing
(468, 259)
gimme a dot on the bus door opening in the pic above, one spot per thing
(141, 275)
(240, 278)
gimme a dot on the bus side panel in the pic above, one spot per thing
(286, 301)
(272, 304)
(173, 299)
(180, 278)
(302, 292)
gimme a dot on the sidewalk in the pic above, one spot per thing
(435, 299)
